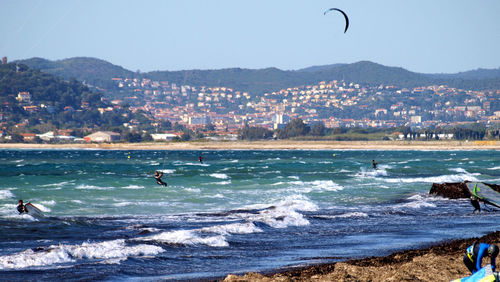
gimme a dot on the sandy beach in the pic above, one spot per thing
(272, 145)
(440, 262)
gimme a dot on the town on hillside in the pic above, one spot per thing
(222, 112)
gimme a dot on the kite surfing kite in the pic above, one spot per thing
(345, 16)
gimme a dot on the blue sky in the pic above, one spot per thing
(429, 36)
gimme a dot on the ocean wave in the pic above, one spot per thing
(92, 187)
(364, 173)
(434, 179)
(57, 254)
(312, 186)
(167, 171)
(345, 215)
(134, 187)
(49, 203)
(6, 194)
(186, 237)
(58, 184)
(494, 168)
(233, 228)
(219, 175)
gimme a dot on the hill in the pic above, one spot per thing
(89, 70)
(51, 101)
(257, 81)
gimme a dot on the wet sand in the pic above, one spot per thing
(440, 262)
(273, 145)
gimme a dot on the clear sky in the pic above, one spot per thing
(429, 36)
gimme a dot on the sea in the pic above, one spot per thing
(105, 218)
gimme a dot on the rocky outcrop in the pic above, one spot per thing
(455, 190)
(450, 190)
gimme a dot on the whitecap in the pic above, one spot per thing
(92, 187)
(5, 194)
(219, 175)
(49, 203)
(134, 187)
(234, 228)
(167, 171)
(434, 179)
(186, 237)
(57, 254)
(345, 215)
(494, 168)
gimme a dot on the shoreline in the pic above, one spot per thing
(441, 261)
(272, 145)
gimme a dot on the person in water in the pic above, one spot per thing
(158, 176)
(475, 254)
(374, 164)
(200, 158)
(21, 208)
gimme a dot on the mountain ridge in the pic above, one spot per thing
(98, 72)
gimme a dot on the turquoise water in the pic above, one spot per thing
(107, 219)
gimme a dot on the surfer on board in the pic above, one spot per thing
(158, 176)
(475, 254)
(200, 158)
(374, 164)
(21, 208)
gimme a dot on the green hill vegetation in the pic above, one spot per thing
(258, 81)
(51, 102)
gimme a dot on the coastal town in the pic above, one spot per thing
(167, 110)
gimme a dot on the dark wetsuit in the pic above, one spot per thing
(158, 179)
(474, 256)
(475, 203)
(22, 209)
(200, 159)
(374, 164)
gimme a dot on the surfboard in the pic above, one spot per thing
(33, 210)
(484, 193)
(484, 274)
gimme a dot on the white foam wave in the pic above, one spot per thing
(186, 237)
(317, 185)
(57, 185)
(494, 168)
(346, 215)
(372, 173)
(6, 194)
(234, 228)
(327, 185)
(167, 171)
(434, 179)
(49, 203)
(219, 175)
(459, 170)
(134, 187)
(61, 253)
(283, 213)
(92, 187)
(223, 182)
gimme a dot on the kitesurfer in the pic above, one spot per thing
(158, 176)
(21, 208)
(374, 164)
(475, 254)
(475, 203)
(200, 158)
